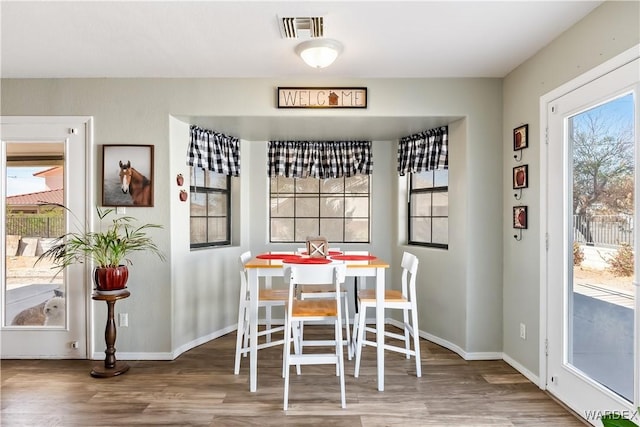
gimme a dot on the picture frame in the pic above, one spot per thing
(520, 217)
(520, 177)
(521, 137)
(127, 175)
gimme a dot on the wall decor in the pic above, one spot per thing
(520, 217)
(521, 177)
(127, 175)
(322, 97)
(179, 180)
(521, 137)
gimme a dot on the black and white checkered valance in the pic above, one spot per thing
(319, 159)
(424, 151)
(214, 151)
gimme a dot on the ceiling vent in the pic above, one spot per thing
(301, 27)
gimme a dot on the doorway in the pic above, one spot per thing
(43, 164)
(591, 296)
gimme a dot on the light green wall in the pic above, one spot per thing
(193, 297)
(609, 30)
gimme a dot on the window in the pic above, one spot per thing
(429, 208)
(336, 208)
(210, 216)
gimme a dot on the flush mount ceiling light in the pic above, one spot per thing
(319, 53)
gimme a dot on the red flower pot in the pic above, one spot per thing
(111, 278)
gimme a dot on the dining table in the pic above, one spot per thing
(270, 264)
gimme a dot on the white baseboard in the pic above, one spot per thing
(169, 355)
(451, 346)
(524, 371)
(434, 339)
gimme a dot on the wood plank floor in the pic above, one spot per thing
(199, 389)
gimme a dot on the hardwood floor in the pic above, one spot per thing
(199, 389)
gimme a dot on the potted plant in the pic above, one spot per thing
(107, 249)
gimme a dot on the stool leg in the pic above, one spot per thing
(361, 335)
(407, 335)
(416, 341)
(286, 350)
(340, 364)
(241, 336)
(346, 327)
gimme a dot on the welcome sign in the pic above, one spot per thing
(322, 97)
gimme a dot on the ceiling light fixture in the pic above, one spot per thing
(319, 53)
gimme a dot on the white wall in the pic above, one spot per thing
(609, 30)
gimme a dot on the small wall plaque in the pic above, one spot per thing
(322, 97)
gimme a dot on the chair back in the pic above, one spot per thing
(244, 258)
(314, 274)
(409, 269)
(244, 288)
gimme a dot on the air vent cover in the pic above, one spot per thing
(301, 27)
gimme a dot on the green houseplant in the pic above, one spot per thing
(108, 249)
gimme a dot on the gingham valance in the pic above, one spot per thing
(319, 159)
(424, 151)
(214, 151)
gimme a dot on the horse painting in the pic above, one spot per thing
(137, 185)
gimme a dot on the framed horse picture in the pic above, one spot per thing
(127, 175)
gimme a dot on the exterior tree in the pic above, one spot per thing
(603, 167)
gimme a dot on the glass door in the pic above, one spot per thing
(592, 257)
(43, 167)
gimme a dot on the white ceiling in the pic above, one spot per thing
(382, 39)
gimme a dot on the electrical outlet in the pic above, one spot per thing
(120, 210)
(523, 331)
(124, 320)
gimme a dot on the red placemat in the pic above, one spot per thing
(353, 257)
(330, 253)
(277, 256)
(308, 261)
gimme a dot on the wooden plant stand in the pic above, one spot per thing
(111, 366)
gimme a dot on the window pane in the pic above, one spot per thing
(357, 206)
(357, 184)
(331, 229)
(198, 230)
(217, 229)
(306, 227)
(280, 184)
(307, 185)
(321, 201)
(282, 230)
(441, 178)
(215, 180)
(441, 204)
(332, 185)
(422, 180)
(281, 207)
(440, 230)
(198, 204)
(332, 207)
(356, 230)
(209, 209)
(197, 175)
(307, 207)
(217, 204)
(421, 204)
(420, 230)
